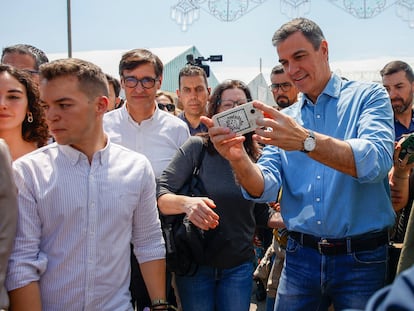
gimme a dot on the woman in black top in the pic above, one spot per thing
(224, 280)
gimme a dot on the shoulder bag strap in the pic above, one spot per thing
(200, 159)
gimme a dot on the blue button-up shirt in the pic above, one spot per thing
(201, 128)
(400, 129)
(322, 201)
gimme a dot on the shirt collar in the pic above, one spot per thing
(200, 128)
(332, 89)
(75, 156)
(125, 113)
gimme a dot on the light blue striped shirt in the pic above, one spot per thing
(319, 200)
(76, 222)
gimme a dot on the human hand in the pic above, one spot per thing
(398, 178)
(276, 221)
(228, 144)
(199, 212)
(275, 205)
(278, 129)
(401, 167)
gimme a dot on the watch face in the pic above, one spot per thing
(309, 144)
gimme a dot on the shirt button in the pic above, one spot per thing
(318, 199)
(318, 116)
(318, 177)
(318, 222)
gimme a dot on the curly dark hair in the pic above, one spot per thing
(252, 147)
(36, 131)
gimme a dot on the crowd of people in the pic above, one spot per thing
(86, 174)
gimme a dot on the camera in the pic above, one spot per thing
(199, 61)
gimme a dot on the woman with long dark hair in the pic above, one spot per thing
(22, 122)
(223, 282)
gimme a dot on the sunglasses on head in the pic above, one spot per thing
(170, 107)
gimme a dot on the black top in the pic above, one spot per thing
(238, 216)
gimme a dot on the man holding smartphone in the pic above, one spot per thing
(331, 152)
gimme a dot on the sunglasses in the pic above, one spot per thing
(170, 107)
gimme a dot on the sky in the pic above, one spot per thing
(128, 24)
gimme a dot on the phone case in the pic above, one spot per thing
(407, 147)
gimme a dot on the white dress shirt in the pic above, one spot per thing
(76, 223)
(158, 138)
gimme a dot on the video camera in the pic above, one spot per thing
(199, 61)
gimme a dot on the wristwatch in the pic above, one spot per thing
(309, 143)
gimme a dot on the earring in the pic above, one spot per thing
(29, 117)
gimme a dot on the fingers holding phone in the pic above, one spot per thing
(404, 151)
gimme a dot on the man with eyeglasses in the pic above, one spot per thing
(141, 126)
(284, 91)
(25, 57)
(193, 93)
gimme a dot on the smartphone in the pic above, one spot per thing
(240, 119)
(407, 147)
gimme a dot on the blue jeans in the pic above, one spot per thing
(311, 281)
(270, 303)
(212, 289)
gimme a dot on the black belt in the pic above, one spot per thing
(325, 246)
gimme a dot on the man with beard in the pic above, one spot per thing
(398, 79)
(193, 93)
(284, 92)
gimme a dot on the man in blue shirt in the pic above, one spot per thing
(331, 152)
(398, 79)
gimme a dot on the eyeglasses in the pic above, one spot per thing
(146, 82)
(31, 72)
(228, 103)
(170, 107)
(283, 86)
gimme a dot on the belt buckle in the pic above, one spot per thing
(322, 244)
